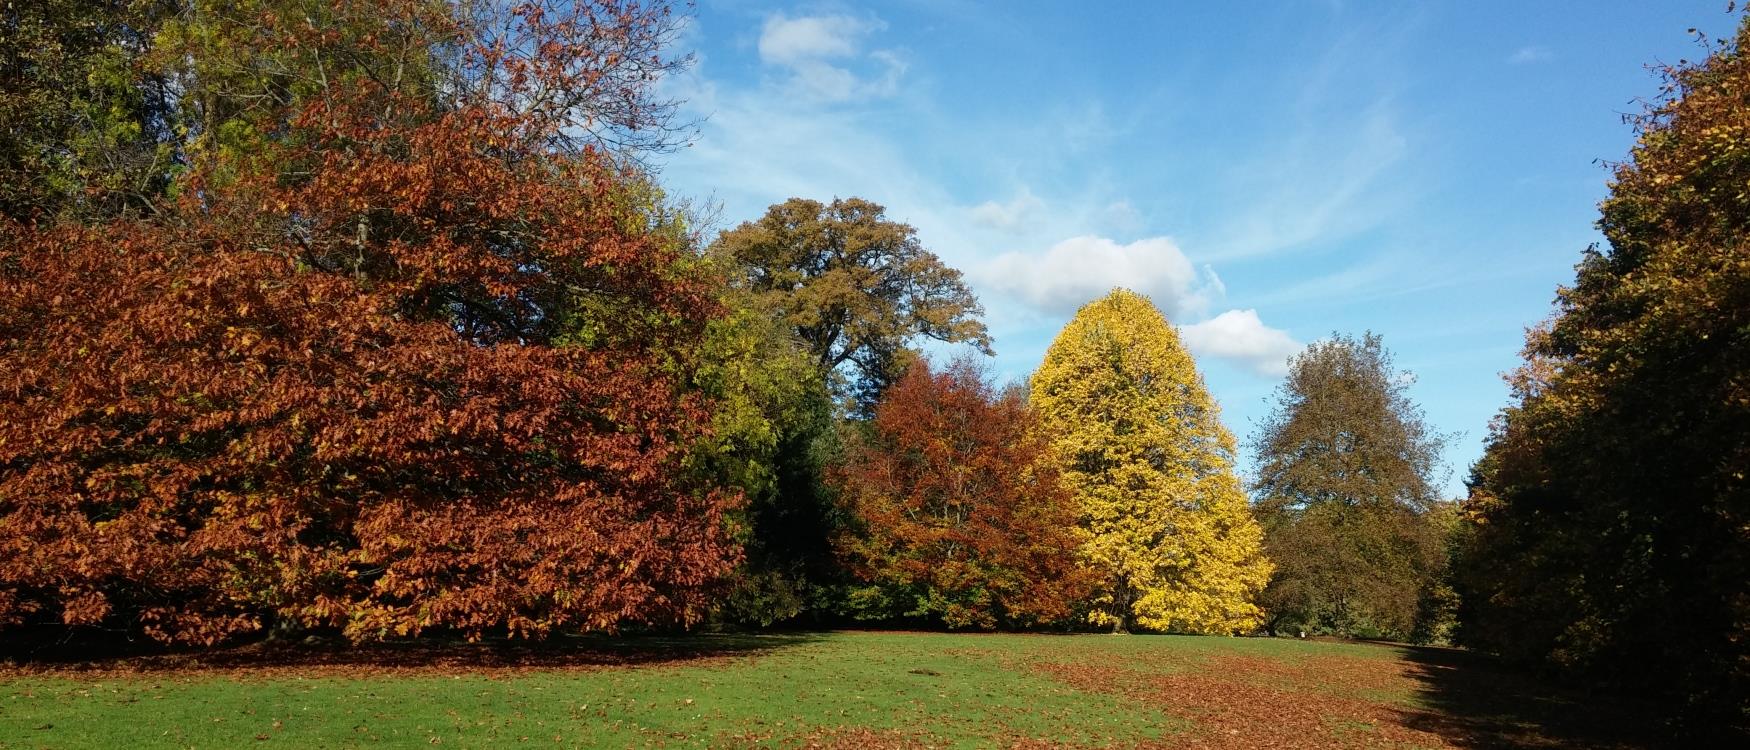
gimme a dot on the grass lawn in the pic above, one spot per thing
(854, 690)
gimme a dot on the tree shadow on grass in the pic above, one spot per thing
(1476, 701)
(437, 654)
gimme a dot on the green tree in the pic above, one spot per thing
(1610, 515)
(103, 103)
(85, 126)
(772, 432)
(1345, 488)
(1142, 445)
(855, 288)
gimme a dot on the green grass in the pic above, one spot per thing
(774, 690)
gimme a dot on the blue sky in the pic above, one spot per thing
(1267, 172)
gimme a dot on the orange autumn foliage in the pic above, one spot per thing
(959, 518)
(408, 367)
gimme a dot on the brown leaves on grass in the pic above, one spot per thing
(1235, 706)
(427, 656)
(838, 738)
(1314, 701)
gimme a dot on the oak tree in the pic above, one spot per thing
(855, 287)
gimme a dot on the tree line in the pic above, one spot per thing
(372, 318)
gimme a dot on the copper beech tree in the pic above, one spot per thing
(959, 519)
(407, 365)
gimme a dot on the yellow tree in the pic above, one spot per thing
(1141, 443)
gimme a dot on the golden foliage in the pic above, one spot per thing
(1142, 445)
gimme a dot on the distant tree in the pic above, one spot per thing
(412, 368)
(1141, 444)
(855, 287)
(1609, 518)
(1345, 485)
(959, 515)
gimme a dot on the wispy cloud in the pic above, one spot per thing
(1535, 53)
(1122, 216)
(1012, 215)
(792, 40)
(1321, 185)
(823, 54)
(796, 135)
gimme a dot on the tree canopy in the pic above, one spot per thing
(359, 375)
(959, 514)
(86, 128)
(1345, 482)
(1140, 442)
(855, 287)
(1609, 519)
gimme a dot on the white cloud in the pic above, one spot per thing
(822, 52)
(1079, 269)
(1009, 216)
(893, 66)
(1240, 336)
(786, 41)
(1532, 54)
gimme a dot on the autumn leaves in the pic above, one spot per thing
(1167, 529)
(385, 357)
(405, 341)
(1106, 496)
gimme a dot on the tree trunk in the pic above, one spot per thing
(1121, 599)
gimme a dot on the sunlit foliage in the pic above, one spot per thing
(959, 516)
(1170, 537)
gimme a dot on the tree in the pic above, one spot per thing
(855, 287)
(85, 127)
(104, 103)
(410, 368)
(1142, 446)
(772, 434)
(1344, 490)
(1609, 518)
(960, 517)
